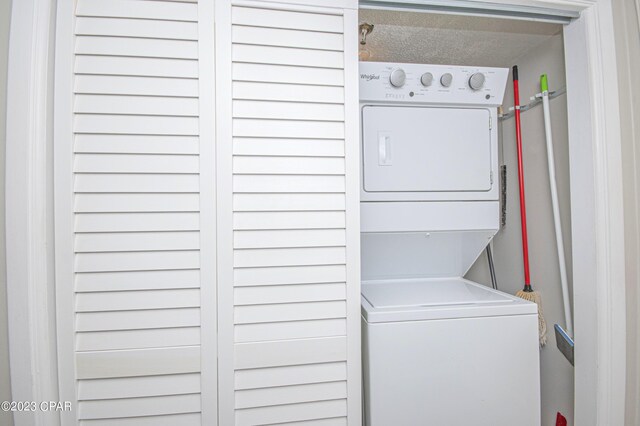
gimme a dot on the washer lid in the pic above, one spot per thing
(434, 292)
(436, 298)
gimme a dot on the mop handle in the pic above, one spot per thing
(544, 87)
(523, 211)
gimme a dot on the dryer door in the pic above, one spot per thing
(426, 149)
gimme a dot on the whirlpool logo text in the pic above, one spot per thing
(369, 77)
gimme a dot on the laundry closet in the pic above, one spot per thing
(207, 198)
(443, 44)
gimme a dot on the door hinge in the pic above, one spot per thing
(490, 123)
(491, 177)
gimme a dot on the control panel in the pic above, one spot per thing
(452, 84)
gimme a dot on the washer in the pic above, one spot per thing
(438, 349)
(448, 352)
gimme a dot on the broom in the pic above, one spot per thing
(527, 292)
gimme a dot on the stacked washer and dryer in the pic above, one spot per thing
(438, 349)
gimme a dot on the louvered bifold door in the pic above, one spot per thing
(134, 201)
(288, 277)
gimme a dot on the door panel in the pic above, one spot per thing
(420, 149)
(135, 218)
(288, 202)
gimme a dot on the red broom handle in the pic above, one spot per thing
(523, 210)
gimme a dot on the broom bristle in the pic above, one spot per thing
(534, 296)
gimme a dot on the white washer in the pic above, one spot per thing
(437, 349)
(448, 352)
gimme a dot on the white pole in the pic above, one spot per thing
(556, 214)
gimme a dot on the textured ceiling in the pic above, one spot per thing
(427, 38)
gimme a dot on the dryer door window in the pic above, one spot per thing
(424, 149)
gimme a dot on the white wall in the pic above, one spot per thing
(5, 383)
(627, 33)
(556, 372)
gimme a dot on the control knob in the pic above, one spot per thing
(426, 79)
(476, 81)
(446, 79)
(397, 77)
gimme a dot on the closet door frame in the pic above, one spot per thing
(601, 307)
(28, 212)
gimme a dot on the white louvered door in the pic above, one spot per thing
(207, 235)
(135, 212)
(288, 220)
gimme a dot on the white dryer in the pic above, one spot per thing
(437, 349)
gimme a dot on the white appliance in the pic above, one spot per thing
(437, 349)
